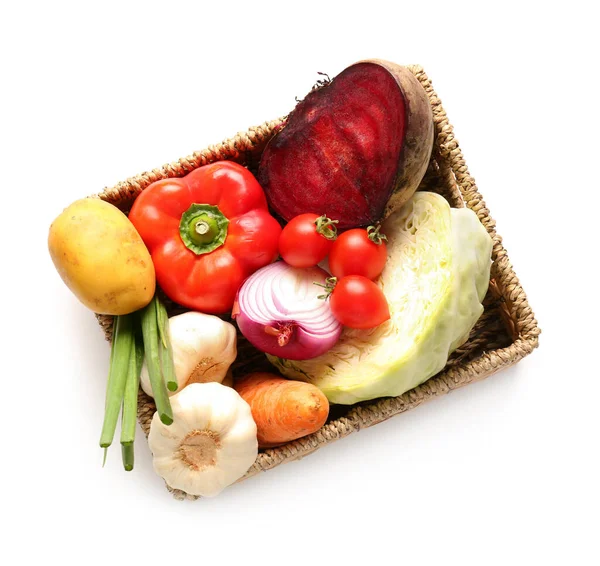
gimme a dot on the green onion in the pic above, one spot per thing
(122, 345)
(165, 348)
(136, 359)
(127, 456)
(150, 333)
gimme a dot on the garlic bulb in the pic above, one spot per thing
(204, 346)
(211, 442)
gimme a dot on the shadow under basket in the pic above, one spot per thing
(506, 332)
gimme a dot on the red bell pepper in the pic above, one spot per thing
(206, 233)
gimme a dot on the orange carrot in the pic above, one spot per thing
(283, 410)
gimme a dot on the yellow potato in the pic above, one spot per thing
(101, 257)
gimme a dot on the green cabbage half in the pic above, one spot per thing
(435, 279)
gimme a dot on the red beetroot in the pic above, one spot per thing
(352, 146)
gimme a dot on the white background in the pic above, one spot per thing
(501, 472)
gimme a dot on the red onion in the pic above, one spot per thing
(278, 311)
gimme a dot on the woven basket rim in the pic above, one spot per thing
(459, 183)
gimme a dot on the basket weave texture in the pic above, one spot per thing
(506, 332)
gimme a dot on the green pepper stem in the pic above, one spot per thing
(203, 228)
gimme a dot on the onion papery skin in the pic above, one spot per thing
(281, 298)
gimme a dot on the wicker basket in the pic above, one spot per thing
(506, 332)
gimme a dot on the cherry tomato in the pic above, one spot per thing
(307, 239)
(357, 302)
(358, 252)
